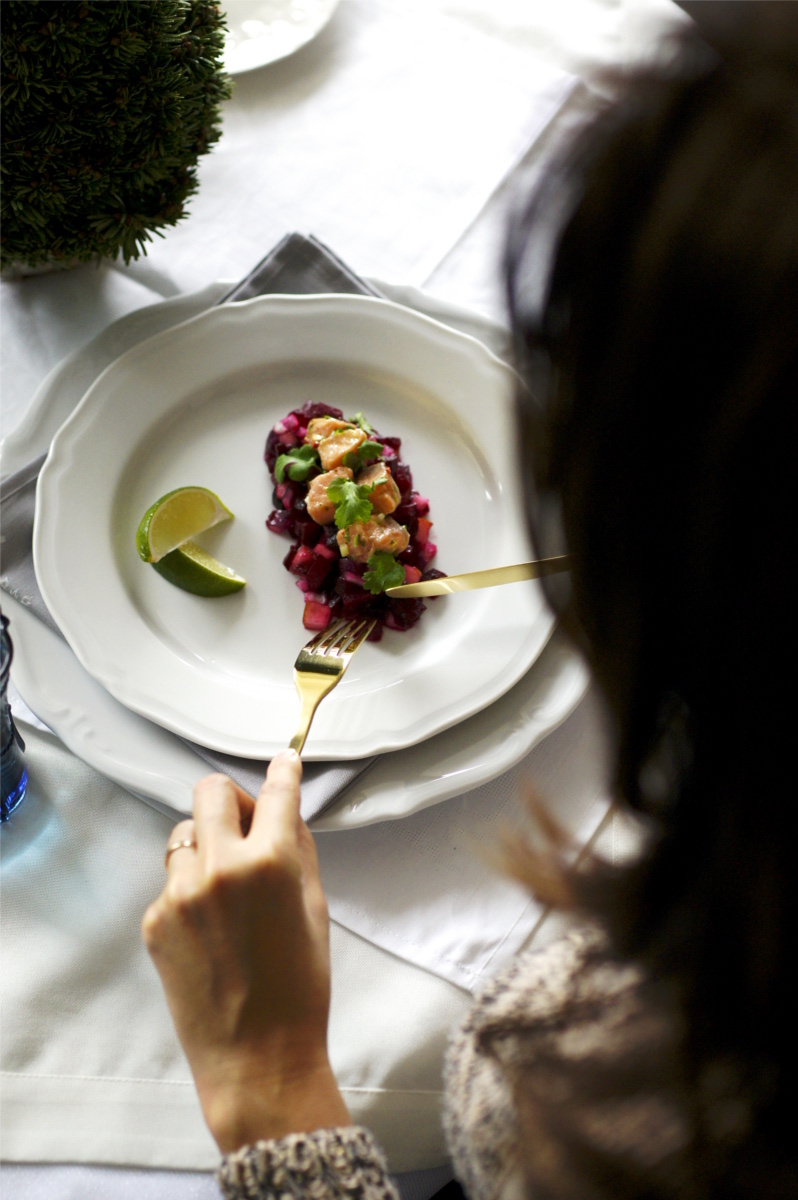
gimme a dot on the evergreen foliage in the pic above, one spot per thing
(106, 108)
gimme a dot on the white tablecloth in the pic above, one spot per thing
(397, 136)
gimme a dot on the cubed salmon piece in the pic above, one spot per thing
(364, 538)
(321, 427)
(385, 495)
(339, 443)
(319, 504)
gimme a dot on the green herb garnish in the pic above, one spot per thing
(383, 572)
(361, 422)
(351, 502)
(297, 464)
(357, 458)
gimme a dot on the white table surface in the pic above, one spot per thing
(48, 317)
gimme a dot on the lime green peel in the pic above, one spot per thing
(190, 568)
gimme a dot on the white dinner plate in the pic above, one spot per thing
(194, 405)
(263, 31)
(158, 765)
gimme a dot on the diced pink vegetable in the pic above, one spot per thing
(291, 422)
(412, 574)
(422, 533)
(325, 551)
(428, 551)
(301, 561)
(302, 584)
(422, 504)
(316, 616)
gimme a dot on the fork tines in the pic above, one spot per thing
(342, 637)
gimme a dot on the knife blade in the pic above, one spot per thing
(472, 580)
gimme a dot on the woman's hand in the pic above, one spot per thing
(240, 938)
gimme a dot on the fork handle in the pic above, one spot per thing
(313, 690)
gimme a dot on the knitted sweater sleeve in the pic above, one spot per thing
(328, 1164)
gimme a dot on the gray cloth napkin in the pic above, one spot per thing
(298, 266)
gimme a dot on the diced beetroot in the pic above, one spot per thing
(404, 613)
(395, 443)
(294, 496)
(280, 491)
(422, 533)
(307, 531)
(376, 633)
(428, 551)
(349, 576)
(388, 453)
(421, 503)
(412, 574)
(289, 558)
(433, 573)
(411, 557)
(301, 561)
(289, 440)
(326, 551)
(316, 616)
(302, 584)
(309, 411)
(405, 513)
(272, 451)
(331, 538)
(318, 571)
(291, 422)
(355, 601)
(279, 521)
(403, 476)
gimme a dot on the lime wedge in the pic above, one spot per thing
(176, 517)
(190, 568)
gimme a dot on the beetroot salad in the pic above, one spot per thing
(346, 499)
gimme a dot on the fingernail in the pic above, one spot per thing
(288, 755)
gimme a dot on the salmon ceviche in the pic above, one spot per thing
(346, 499)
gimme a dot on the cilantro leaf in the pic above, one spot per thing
(355, 459)
(383, 572)
(361, 422)
(351, 502)
(297, 464)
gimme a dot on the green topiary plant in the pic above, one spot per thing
(106, 108)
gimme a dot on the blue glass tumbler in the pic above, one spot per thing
(13, 768)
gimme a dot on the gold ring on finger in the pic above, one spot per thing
(184, 844)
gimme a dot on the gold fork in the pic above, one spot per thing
(320, 666)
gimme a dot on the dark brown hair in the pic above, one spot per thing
(659, 342)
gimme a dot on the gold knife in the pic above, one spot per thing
(481, 579)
